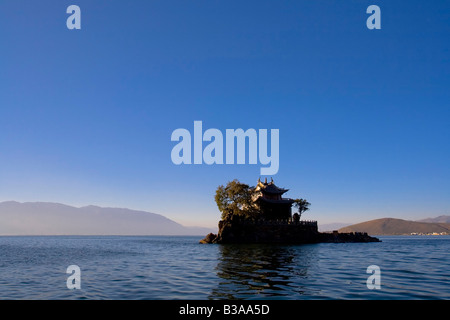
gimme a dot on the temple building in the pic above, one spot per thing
(269, 200)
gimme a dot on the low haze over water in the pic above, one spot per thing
(155, 267)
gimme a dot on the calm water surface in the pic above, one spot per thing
(179, 268)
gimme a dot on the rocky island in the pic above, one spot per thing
(262, 215)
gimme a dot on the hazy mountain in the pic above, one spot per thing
(440, 219)
(44, 218)
(390, 226)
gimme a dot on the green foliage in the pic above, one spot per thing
(235, 199)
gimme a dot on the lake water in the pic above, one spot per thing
(155, 267)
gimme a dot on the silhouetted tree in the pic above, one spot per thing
(302, 205)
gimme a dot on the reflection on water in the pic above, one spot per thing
(262, 271)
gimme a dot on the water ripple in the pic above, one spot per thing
(180, 268)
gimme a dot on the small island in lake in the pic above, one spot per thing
(262, 215)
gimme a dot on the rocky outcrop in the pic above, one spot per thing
(235, 230)
(210, 238)
(339, 237)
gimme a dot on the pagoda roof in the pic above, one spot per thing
(270, 188)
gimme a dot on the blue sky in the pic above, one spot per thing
(86, 115)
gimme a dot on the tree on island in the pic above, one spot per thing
(302, 205)
(235, 199)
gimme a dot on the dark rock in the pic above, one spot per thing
(339, 237)
(210, 237)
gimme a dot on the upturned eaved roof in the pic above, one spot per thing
(270, 188)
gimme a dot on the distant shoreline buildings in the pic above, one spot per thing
(429, 234)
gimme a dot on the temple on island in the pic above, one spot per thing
(268, 198)
(272, 221)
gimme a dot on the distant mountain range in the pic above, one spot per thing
(45, 218)
(390, 226)
(440, 219)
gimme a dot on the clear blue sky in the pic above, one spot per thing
(364, 115)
